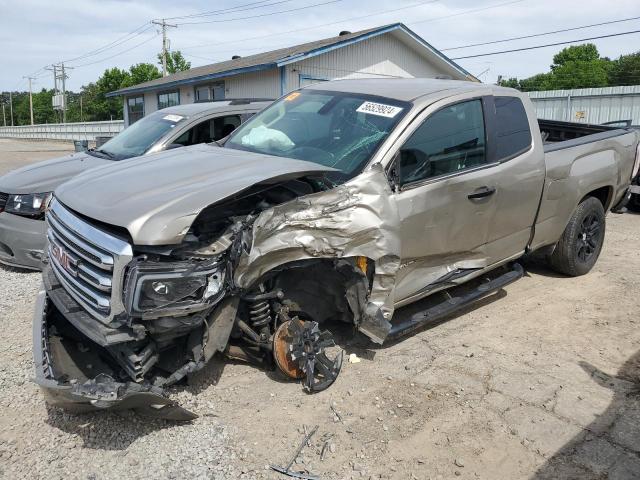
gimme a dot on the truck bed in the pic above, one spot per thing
(557, 134)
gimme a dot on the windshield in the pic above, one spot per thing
(335, 129)
(139, 137)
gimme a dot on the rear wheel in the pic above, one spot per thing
(579, 247)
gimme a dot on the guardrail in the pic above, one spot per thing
(64, 131)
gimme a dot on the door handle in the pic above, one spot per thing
(482, 192)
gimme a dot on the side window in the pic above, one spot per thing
(223, 126)
(450, 140)
(209, 130)
(513, 135)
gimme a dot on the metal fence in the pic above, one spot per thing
(64, 131)
(589, 105)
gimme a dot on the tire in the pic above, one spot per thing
(634, 203)
(579, 247)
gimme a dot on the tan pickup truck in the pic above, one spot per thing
(340, 202)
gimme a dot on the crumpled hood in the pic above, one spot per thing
(48, 175)
(157, 197)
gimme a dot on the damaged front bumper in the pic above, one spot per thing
(64, 371)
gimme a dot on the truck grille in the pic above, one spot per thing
(3, 200)
(88, 262)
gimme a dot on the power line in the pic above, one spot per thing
(263, 14)
(539, 34)
(119, 41)
(465, 12)
(312, 27)
(119, 53)
(547, 45)
(238, 8)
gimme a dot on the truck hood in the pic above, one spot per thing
(157, 198)
(48, 175)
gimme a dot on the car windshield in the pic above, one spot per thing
(334, 129)
(139, 137)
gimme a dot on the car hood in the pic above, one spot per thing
(157, 198)
(48, 175)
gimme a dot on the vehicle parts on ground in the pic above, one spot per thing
(300, 352)
(287, 470)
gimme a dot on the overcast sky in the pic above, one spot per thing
(34, 33)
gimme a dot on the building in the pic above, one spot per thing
(589, 105)
(389, 51)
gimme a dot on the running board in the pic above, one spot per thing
(453, 304)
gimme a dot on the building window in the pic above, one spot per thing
(211, 92)
(168, 99)
(135, 109)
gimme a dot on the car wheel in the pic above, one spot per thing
(634, 203)
(579, 247)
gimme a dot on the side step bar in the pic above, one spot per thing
(453, 304)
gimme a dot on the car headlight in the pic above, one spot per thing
(171, 288)
(30, 205)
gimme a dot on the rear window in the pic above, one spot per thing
(513, 135)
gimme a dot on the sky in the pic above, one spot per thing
(92, 35)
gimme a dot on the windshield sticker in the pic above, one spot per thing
(291, 96)
(379, 109)
(173, 118)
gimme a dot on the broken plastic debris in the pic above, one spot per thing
(353, 358)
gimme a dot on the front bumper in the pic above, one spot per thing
(22, 241)
(71, 378)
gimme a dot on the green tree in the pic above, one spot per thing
(175, 62)
(625, 70)
(577, 66)
(139, 73)
(96, 105)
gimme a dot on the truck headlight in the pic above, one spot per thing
(29, 205)
(171, 288)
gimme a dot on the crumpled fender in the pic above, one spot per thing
(353, 219)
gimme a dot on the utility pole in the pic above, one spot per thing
(4, 115)
(64, 95)
(30, 97)
(59, 88)
(81, 107)
(165, 43)
(11, 107)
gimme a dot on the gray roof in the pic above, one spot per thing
(221, 106)
(403, 89)
(272, 59)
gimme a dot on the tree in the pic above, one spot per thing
(139, 73)
(625, 70)
(175, 62)
(96, 105)
(577, 66)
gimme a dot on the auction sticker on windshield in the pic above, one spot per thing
(173, 118)
(379, 109)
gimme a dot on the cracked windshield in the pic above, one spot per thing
(333, 129)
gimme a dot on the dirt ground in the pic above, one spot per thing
(539, 381)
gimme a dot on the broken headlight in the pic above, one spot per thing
(28, 205)
(156, 289)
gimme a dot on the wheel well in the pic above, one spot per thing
(603, 194)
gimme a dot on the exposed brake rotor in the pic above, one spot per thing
(299, 350)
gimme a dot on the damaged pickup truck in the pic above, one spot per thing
(338, 203)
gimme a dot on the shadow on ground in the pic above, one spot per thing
(609, 447)
(105, 430)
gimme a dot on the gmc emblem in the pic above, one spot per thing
(64, 259)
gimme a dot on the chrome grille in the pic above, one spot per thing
(88, 262)
(3, 200)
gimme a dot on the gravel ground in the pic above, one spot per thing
(540, 381)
